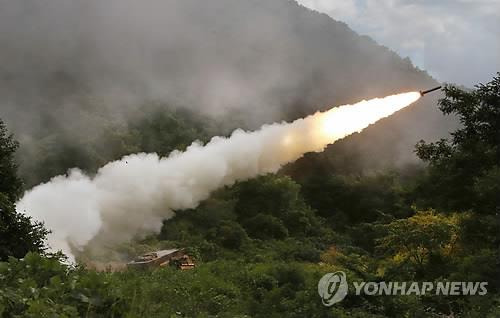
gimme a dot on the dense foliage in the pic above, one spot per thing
(262, 245)
(465, 171)
(18, 234)
(10, 184)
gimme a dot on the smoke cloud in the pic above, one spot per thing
(58, 56)
(70, 69)
(131, 197)
(210, 56)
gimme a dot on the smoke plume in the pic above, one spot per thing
(130, 197)
(71, 69)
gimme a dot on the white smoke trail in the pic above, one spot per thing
(133, 195)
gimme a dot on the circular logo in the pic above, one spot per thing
(332, 288)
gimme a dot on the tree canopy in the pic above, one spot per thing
(464, 171)
(261, 245)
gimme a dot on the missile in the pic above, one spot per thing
(429, 90)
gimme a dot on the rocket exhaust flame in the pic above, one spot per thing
(132, 196)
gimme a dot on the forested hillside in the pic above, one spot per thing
(73, 75)
(262, 245)
(84, 83)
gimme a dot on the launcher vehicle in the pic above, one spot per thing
(175, 257)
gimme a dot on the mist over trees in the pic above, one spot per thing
(96, 80)
(262, 245)
(70, 70)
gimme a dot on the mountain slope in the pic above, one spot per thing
(72, 68)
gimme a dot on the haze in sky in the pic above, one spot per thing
(456, 41)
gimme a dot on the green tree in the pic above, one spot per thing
(353, 199)
(264, 226)
(280, 198)
(230, 235)
(10, 183)
(464, 175)
(464, 171)
(419, 239)
(18, 234)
